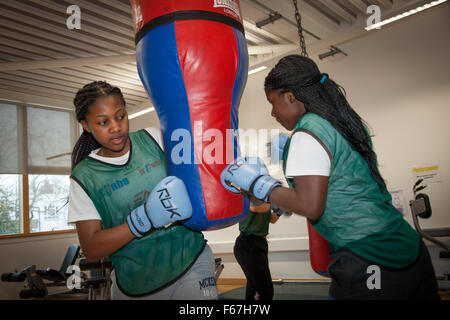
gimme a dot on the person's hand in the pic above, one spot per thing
(277, 147)
(249, 176)
(168, 202)
(279, 211)
(259, 208)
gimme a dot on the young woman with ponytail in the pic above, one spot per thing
(334, 181)
(126, 208)
(333, 172)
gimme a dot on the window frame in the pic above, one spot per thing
(22, 141)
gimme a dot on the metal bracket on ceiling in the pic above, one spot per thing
(271, 19)
(333, 51)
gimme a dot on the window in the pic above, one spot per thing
(48, 198)
(10, 217)
(35, 149)
(49, 140)
(9, 140)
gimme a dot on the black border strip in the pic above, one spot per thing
(187, 15)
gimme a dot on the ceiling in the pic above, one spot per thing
(43, 62)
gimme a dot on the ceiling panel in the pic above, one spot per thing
(41, 59)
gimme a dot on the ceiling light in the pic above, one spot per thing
(257, 70)
(140, 113)
(404, 14)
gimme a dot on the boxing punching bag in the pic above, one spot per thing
(192, 59)
(319, 251)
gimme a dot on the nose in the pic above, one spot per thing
(115, 126)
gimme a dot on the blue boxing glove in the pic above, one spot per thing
(277, 147)
(168, 202)
(249, 176)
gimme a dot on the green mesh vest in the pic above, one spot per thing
(358, 215)
(161, 257)
(255, 223)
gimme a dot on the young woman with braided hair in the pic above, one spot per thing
(126, 207)
(335, 183)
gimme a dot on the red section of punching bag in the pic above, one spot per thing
(319, 251)
(209, 72)
(145, 11)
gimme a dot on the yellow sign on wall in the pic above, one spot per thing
(428, 173)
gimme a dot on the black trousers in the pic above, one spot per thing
(251, 254)
(356, 278)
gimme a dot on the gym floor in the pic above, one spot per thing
(227, 285)
(234, 289)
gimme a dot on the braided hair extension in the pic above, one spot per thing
(324, 97)
(83, 99)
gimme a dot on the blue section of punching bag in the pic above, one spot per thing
(239, 85)
(159, 65)
(238, 89)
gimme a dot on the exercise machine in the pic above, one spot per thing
(218, 267)
(94, 278)
(38, 281)
(92, 286)
(421, 208)
(98, 283)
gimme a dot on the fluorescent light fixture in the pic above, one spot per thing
(257, 70)
(140, 113)
(405, 14)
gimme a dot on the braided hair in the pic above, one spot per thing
(83, 99)
(324, 97)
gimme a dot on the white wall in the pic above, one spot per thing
(398, 81)
(149, 119)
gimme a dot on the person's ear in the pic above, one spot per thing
(85, 126)
(290, 97)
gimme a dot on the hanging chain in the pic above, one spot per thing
(300, 30)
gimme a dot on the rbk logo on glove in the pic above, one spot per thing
(164, 197)
(168, 196)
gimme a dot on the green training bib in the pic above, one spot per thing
(147, 264)
(358, 215)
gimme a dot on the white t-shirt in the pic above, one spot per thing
(307, 157)
(81, 206)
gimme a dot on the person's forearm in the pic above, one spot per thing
(290, 200)
(103, 243)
